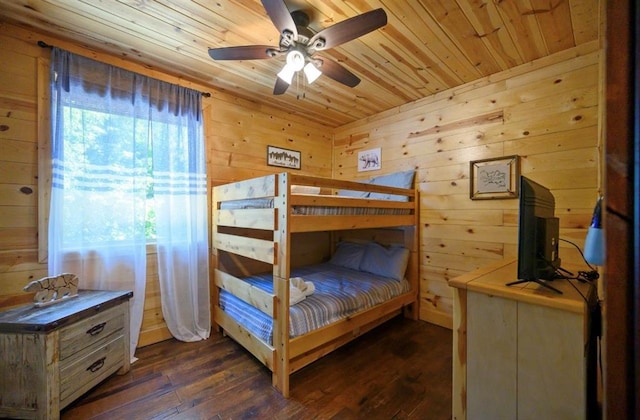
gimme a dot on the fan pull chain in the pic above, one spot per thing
(298, 83)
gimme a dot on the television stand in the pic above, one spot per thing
(519, 353)
(538, 281)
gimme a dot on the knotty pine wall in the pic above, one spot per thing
(547, 112)
(237, 134)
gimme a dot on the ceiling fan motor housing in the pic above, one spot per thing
(301, 20)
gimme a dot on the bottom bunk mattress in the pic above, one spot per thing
(339, 293)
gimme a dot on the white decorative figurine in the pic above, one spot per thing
(53, 289)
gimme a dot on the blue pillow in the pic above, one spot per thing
(386, 262)
(398, 180)
(348, 255)
(353, 193)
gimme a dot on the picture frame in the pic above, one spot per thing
(494, 178)
(369, 160)
(285, 158)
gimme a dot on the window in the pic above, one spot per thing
(127, 162)
(105, 172)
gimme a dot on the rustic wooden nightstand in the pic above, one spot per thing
(53, 354)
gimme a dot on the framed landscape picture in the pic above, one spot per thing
(494, 178)
(277, 156)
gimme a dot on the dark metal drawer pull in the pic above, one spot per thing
(96, 329)
(97, 365)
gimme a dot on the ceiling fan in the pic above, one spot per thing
(299, 44)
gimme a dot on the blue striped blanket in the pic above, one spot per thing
(339, 293)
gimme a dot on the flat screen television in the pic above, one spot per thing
(538, 235)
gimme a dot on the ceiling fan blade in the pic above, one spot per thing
(349, 29)
(280, 87)
(247, 52)
(280, 16)
(338, 73)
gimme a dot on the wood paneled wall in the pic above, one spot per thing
(547, 112)
(237, 134)
(18, 168)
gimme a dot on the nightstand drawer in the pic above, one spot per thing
(74, 339)
(82, 374)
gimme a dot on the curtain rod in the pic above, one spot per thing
(43, 44)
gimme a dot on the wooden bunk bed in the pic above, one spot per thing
(251, 239)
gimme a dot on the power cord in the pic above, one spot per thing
(596, 312)
(588, 276)
(584, 276)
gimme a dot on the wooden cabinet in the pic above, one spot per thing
(522, 351)
(53, 354)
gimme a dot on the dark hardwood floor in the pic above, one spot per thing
(401, 369)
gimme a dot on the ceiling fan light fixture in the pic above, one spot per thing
(295, 60)
(311, 72)
(286, 74)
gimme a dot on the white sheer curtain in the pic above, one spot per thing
(109, 126)
(180, 190)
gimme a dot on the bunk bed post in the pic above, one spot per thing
(214, 292)
(412, 241)
(281, 274)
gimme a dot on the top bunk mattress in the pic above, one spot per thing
(339, 293)
(267, 203)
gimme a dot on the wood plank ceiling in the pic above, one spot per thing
(427, 45)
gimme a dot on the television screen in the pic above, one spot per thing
(538, 234)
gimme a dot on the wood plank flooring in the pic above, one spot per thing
(401, 369)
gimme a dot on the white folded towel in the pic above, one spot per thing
(309, 289)
(295, 296)
(299, 290)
